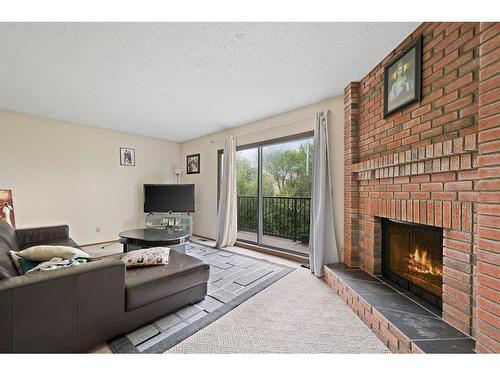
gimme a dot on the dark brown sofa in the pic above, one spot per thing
(75, 309)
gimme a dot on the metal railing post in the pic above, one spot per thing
(295, 219)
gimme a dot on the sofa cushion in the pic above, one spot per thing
(55, 242)
(8, 235)
(8, 268)
(41, 234)
(4, 274)
(145, 285)
(43, 253)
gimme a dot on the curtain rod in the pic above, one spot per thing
(272, 126)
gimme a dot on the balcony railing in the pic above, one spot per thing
(283, 217)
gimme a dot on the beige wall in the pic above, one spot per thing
(293, 122)
(66, 173)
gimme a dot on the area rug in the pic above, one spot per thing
(234, 278)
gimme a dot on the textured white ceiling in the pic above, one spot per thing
(179, 81)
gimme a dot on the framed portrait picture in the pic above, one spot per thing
(7, 207)
(127, 157)
(403, 78)
(193, 164)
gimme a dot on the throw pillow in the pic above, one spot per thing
(22, 265)
(27, 265)
(155, 256)
(45, 252)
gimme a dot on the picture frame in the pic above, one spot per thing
(7, 207)
(127, 157)
(403, 78)
(193, 164)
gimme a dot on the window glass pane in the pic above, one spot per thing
(247, 192)
(286, 182)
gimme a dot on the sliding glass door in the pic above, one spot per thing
(247, 189)
(274, 182)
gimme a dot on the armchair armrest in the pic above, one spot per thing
(32, 235)
(65, 310)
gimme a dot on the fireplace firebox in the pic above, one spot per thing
(412, 257)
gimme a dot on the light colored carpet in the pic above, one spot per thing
(297, 314)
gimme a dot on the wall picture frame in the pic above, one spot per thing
(193, 164)
(7, 207)
(127, 157)
(403, 78)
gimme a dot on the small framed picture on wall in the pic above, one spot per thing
(403, 78)
(7, 207)
(127, 157)
(193, 164)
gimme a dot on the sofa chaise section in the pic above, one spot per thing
(64, 311)
(77, 308)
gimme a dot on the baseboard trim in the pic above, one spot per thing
(278, 253)
(98, 243)
(265, 250)
(204, 237)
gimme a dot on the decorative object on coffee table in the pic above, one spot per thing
(403, 78)
(173, 221)
(193, 164)
(7, 207)
(127, 157)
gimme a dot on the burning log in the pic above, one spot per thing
(420, 262)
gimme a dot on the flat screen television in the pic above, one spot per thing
(169, 198)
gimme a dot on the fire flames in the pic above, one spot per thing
(420, 262)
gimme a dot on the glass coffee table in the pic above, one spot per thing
(136, 239)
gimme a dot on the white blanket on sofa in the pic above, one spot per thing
(53, 264)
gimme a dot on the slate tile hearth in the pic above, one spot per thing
(447, 346)
(363, 287)
(415, 326)
(435, 310)
(398, 302)
(356, 274)
(415, 319)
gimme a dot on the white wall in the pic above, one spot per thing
(288, 123)
(67, 173)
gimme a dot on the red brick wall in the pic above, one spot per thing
(351, 186)
(421, 165)
(487, 278)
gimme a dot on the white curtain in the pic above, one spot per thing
(227, 215)
(322, 243)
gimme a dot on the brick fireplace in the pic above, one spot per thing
(412, 258)
(435, 163)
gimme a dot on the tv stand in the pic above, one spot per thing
(176, 221)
